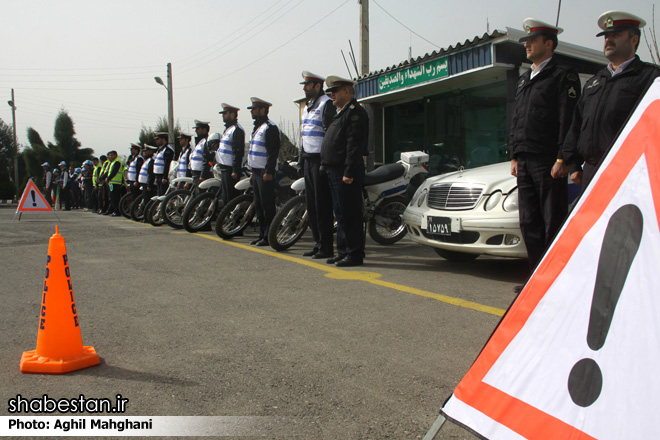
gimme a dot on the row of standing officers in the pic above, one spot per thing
(334, 139)
(557, 130)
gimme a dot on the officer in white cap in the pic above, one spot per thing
(162, 160)
(344, 145)
(183, 161)
(608, 98)
(146, 177)
(546, 96)
(262, 159)
(230, 152)
(47, 180)
(198, 156)
(317, 117)
(135, 162)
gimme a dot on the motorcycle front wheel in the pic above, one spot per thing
(289, 224)
(199, 212)
(173, 206)
(386, 226)
(153, 214)
(137, 208)
(125, 204)
(235, 216)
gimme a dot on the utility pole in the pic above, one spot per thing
(170, 105)
(364, 37)
(12, 104)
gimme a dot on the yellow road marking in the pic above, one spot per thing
(367, 277)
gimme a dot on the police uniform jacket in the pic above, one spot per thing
(543, 110)
(606, 103)
(345, 140)
(329, 112)
(237, 147)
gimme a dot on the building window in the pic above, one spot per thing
(461, 128)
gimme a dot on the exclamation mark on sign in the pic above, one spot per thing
(620, 244)
(34, 200)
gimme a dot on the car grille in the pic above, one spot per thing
(455, 196)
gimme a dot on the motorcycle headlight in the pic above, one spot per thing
(422, 198)
(511, 202)
(493, 200)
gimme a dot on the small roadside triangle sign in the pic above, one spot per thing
(576, 356)
(32, 201)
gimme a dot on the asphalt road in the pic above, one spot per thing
(187, 324)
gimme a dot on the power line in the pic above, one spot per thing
(397, 20)
(269, 53)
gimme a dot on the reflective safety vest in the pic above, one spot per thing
(159, 160)
(197, 156)
(258, 156)
(119, 177)
(184, 158)
(312, 126)
(225, 153)
(96, 174)
(144, 171)
(104, 169)
(131, 176)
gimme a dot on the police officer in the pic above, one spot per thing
(162, 160)
(88, 184)
(609, 97)
(65, 193)
(114, 180)
(545, 98)
(146, 177)
(262, 159)
(47, 180)
(135, 162)
(229, 155)
(342, 151)
(198, 154)
(96, 174)
(104, 204)
(317, 116)
(182, 169)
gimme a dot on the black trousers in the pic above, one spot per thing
(348, 203)
(88, 190)
(542, 203)
(228, 182)
(115, 195)
(264, 200)
(319, 204)
(161, 187)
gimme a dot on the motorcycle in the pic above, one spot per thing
(200, 210)
(386, 195)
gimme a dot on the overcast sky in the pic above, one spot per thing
(97, 59)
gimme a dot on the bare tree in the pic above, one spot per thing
(652, 40)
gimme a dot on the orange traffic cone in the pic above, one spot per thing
(59, 342)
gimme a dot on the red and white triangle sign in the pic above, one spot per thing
(32, 200)
(577, 354)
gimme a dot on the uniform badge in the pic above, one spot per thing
(521, 83)
(593, 84)
(572, 93)
(528, 29)
(609, 22)
(355, 118)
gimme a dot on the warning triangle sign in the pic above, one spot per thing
(576, 355)
(32, 200)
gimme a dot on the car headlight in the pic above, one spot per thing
(422, 198)
(511, 202)
(493, 200)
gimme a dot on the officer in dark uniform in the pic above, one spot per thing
(262, 160)
(545, 98)
(183, 162)
(199, 155)
(608, 98)
(230, 152)
(317, 117)
(146, 177)
(342, 151)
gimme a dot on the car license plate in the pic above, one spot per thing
(438, 225)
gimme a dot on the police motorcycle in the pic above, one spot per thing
(236, 215)
(201, 209)
(386, 195)
(140, 208)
